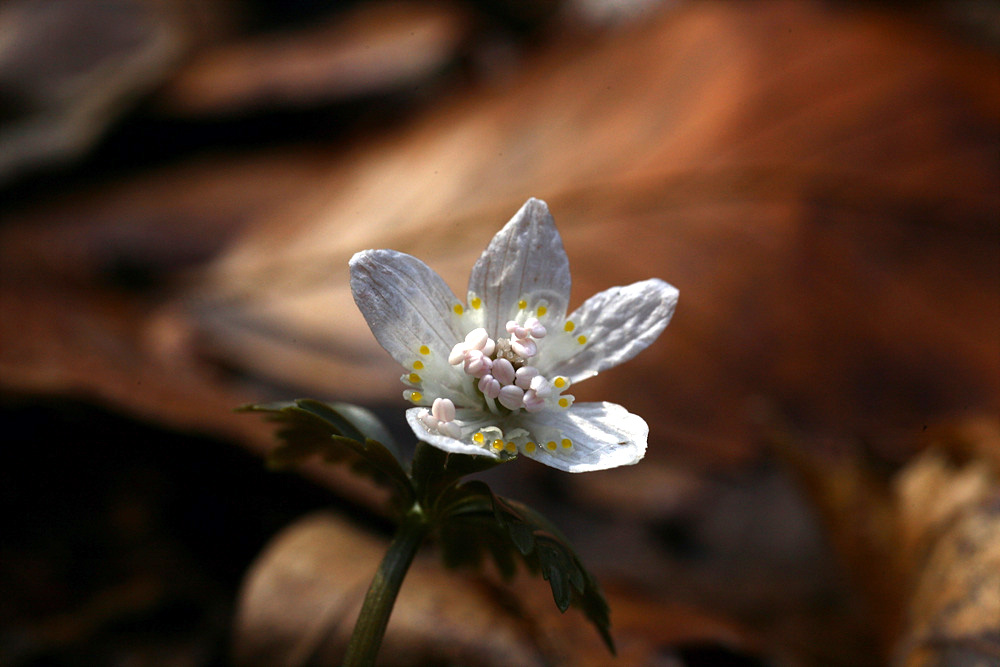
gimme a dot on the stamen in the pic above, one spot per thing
(569, 326)
(524, 375)
(424, 350)
(541, 310)
(418, 365)
(498, 444)
(511, 448)
(443, 409)
(567, 443)
(474, 348)
(413, 396)
(414, 378)
(559, 382)
(440, 419)
(522, 304)
(477, 338)
(458, 309)
(476, 302)
(524, 347)
(489, 385)
(477, 364)
(503, 371)
(581, 340)
(535, 328)
(510, 396)
(478, 438)
(541, 386)
(532, 401)
(563, 402)
(529, 447)
(551, 445)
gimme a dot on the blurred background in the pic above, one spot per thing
(182, 183)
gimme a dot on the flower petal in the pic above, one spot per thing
(604, 435)
(405, 303)
(619, 323)
(445, 443)
(525, 260)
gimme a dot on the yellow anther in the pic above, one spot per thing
(424, 350)
(458, 309)
(567, 443)
(522, 304)
(498, 444)
(478, 438)
(551, 445)
(416, 396)
(414, 378)
(541, 311)
(559, 382)
(529, 446)
(418, 365)
(476, 302)
(563, 402)
(581, 339)
(569, 326)
(511, 448)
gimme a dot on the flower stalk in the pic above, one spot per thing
(381, 596)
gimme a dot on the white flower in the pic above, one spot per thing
(489, 375)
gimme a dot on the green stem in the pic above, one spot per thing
(381, 596)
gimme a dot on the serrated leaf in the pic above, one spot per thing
(370, 426)
(435, 471)
(465, 541)
(474, 521)
(311, 428)
(522, 537)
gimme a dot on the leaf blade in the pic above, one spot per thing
(309, 428)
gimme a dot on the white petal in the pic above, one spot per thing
(405, 303)
(444, 442)
(450, 430)
(525, 259)
(604, 435)
(619, 323)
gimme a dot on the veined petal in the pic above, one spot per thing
(604, 435)
(445, 443)
(524, 260)
(405, 303)
(618, 323)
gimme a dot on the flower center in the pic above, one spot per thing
(505, 379)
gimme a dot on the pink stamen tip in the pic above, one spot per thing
(510, 397)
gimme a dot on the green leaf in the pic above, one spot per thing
(365, 421)
(466, 541)
(475, 522)
(435, 471)
(337, 433)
